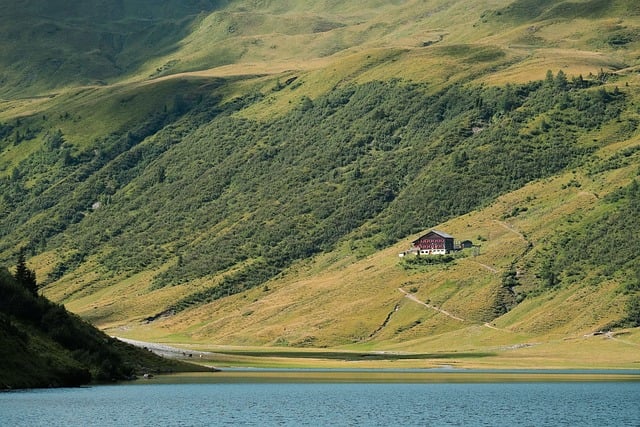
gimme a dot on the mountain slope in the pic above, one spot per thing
(275, 138)
(343, 299)
(87, 42)
(97, 42)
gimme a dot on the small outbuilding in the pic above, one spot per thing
(466, 244)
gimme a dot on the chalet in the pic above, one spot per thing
(434, 243)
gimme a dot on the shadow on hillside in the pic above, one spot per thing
(89, 42)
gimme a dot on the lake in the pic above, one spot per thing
(258, 400)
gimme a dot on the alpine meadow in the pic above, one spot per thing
(241, 176)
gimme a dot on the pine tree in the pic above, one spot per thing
(24, 275)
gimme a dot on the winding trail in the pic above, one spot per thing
(432, 307)
(446, 313)
(166, 350)
(612, 336)
(508, 227)
(485, 266)
(495, 328)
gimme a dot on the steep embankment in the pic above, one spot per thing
(43, 345)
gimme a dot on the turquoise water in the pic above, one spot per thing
(318, 404)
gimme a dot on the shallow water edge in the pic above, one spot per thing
(250, 375)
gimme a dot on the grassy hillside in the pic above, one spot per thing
(90, 42)
(250, 176)
(360, 303)
(97, 42)
(320, 298)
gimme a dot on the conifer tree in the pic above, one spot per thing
(24, 275)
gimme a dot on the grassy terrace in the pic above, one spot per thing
(594, 352)
(260, 365)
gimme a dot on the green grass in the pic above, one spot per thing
(139, 41)
(349, 356)
(86, 43)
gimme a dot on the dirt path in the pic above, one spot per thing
(495, 328)
(612, 336)
(432, 307)
(488, 267)
(511, 229)
(166, 350)
(446, 313)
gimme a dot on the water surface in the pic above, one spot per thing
(328, 403)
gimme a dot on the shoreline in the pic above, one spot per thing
(262, 359)
(263, 367)
(383, 376)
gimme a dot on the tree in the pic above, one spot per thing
(561, 81)
(54, 140)
(24, 275)
(549, 79)
(548, 274)
(633, 310)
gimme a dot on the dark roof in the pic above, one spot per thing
(439, 233)
(442, 234)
